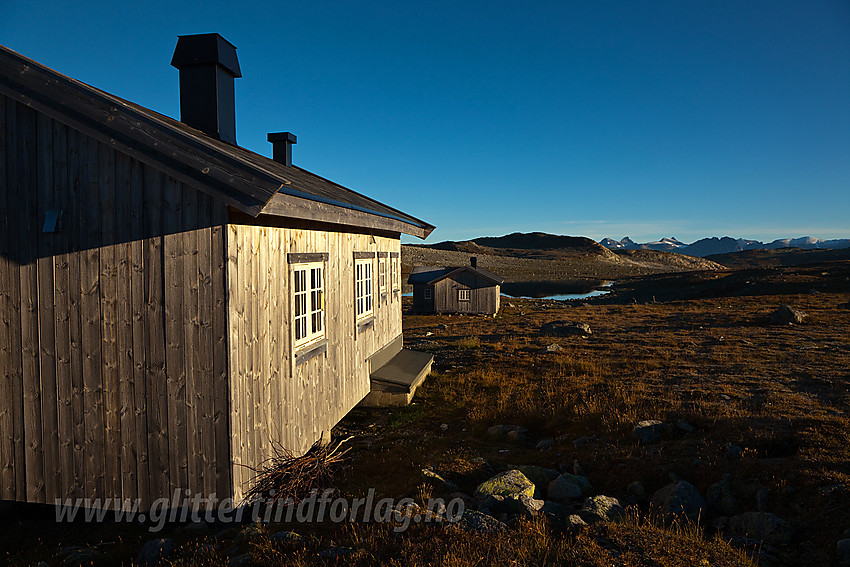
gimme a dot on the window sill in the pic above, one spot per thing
(312, 350)
(365, 323)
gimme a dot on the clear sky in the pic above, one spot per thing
(594, 118)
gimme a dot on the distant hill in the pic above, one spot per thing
(725, 245)
(529, 241)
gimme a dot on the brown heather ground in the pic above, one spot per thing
(780, 392)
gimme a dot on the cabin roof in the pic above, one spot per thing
(433, 274)
(249, 182)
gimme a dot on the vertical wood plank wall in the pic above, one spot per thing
(113, 362)
(274, 402)
(483, 295)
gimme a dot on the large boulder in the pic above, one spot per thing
(569, 487)
(540, 476)
(565, 329)
(842, 548)
(720, 498)
(475, 521)
(509, 484)
(601, 508)
(785, 314)
(762, 526)
(678, 500)
(649, 431)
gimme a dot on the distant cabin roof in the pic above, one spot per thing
(433, 274)
(249, 182)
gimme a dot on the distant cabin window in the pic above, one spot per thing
(382, 275)
(309, 302)
(427, 293)
(463, 295)
(363, 281)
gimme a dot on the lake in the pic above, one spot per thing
(566, 290)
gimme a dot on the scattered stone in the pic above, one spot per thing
(565, 329)
(649, 431)
(734, 452)
(601, 508)
(75, 556)
(762, 500)
(243, 560)
(475, 521)
(287, 537)
(554, 510)
(545, 444)
(574, 521)
(763, 526)
(636, 489)
(509, 484)
(438, 481)
(335, 552)
(720, 498)
(679, 499)
(155, 551)
(561, 490)
(444, 427)
(496, 430)
(577, 468)
(517, 435)
(506, 430)
(554, 347)
(842, 548)
(582, 441)
(784, 315)
(685, 426)
(540, 476)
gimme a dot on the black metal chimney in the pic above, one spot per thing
(473, 261)
(282, 146)
(208, 65)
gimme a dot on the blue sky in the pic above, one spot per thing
(593, 118)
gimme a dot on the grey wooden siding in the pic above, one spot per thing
(483, 294)
(113, 364)
(273, 401)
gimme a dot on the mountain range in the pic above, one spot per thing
(724, 245)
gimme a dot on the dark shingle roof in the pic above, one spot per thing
(244, 179)
(432, 274)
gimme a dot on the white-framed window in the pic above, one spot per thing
(463, 295)
(363, 284)
(382, 275)
(396, 279)
(427, 293)
(308, 295)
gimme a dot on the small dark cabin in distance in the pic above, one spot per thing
(463, 289)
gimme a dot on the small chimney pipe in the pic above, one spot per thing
(282, 146)
(207, 64)
(473, 261)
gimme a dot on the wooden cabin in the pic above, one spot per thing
(464, 289)
(172, 306)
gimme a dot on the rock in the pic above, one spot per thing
(763, 526)
(496, 430)
(842, 548)
(649, 431)
(195, 527)
(540, 476)
(551, 348)
(720, 498)
(242, 560)
(442, 327)
(762, 500)
(509, 484)
(287, 537)
(516, 435)
(784, 315)
(75, 556)
(155, 551)
(685, 426)
(577, 468)
(438, 481)
(444, 427)
(679, 499)
(574, 521)
(554, 510)
(565, 329)
(733, 452)
(637, 490)
(335, 552)
(582, 441)
(568, 487)
(475, 521)
(545, 444)
(601, 508)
